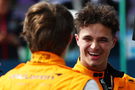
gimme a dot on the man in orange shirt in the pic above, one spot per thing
(97, 25)
(47, 29)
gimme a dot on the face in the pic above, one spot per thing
(95, 42)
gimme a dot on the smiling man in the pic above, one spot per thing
(95, 42)
(97, 26)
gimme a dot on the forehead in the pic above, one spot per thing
(95, 30)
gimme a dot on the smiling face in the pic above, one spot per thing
(95, 42)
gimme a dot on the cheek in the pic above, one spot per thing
(81, 43)
(107, 48)
(83, 46)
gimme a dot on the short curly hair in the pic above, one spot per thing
(97, 13)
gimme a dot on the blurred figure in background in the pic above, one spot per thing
(66, 3)
(10, 27)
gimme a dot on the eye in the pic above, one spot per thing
(87, 38)
(103, 40)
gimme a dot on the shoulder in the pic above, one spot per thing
(74, 73)
(74, 79)
(14, 70)
(129, 79)
(83, 81)
(19, 65)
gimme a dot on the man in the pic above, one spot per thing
(47, 29)
(96, 36)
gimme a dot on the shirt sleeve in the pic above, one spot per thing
(91, 85)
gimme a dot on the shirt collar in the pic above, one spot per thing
(79, 67)
(46, 57)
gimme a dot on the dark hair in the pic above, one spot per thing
(48, 27)
(97, 13)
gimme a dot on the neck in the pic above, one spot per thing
(98, 68)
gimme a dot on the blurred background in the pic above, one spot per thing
(14, 50)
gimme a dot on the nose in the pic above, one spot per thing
(94, 45)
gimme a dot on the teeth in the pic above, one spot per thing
(94, 54)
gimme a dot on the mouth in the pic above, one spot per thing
(94, 56)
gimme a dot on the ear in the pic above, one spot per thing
(114, 41)
(77, 39)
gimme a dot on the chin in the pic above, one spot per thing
(94, 64)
